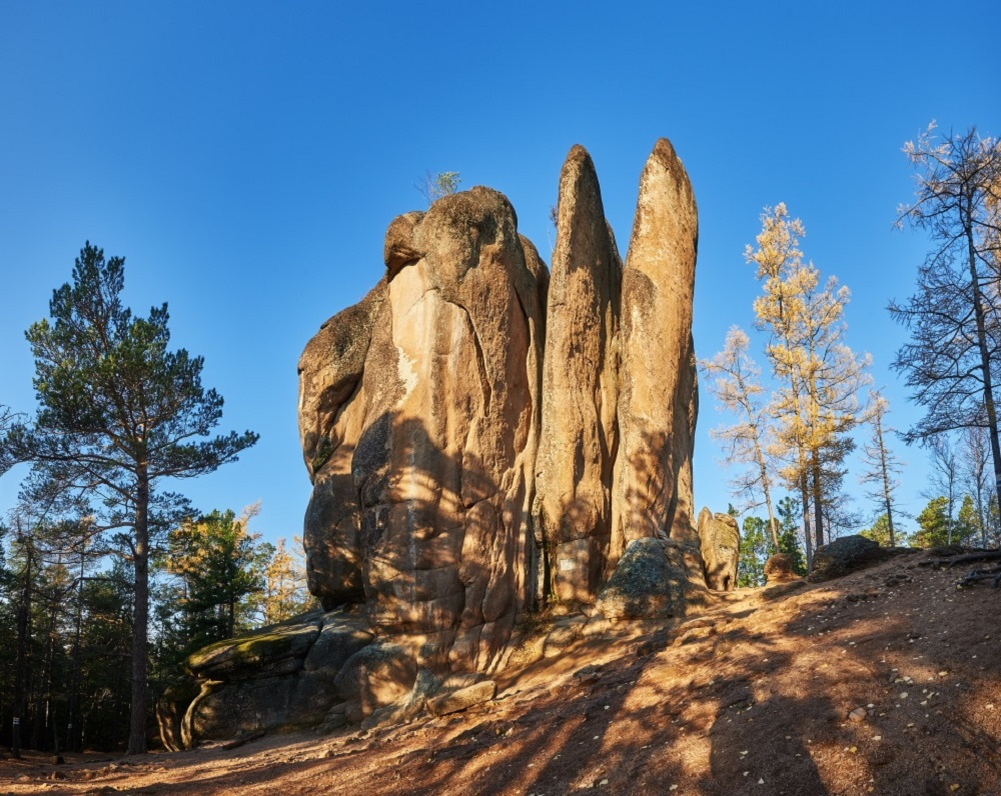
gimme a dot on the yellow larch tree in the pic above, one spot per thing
(285, 593)
(819, 376)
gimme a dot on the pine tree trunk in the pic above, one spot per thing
(20, 662)
(73, 710)
(137, 718)
(886, 480)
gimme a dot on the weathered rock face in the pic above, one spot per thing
(434, 424)
(579, 387)
(656, 412)
(478, 439)
(720, 542)
(422, 444)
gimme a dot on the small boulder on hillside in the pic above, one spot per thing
(650, 580)
(842, 556)
(778, 569)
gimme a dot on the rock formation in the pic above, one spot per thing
(844, 555)
(656, 414)
(421, 445)
(720, 542)
(579, 388)
(778, 569)
(480, 437)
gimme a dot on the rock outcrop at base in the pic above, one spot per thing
(482, 437)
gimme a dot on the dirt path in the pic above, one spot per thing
(752, 698)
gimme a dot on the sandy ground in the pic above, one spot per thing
(753, 697)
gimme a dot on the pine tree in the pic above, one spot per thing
(219, 565)
(944, 479)
(118, 413)
(789, 512)
(934, 524)
(880, 533)
(753, 553)
(967, 523)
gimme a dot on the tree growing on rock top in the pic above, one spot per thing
(118, 415)
(433, 186)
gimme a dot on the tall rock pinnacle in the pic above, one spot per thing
(657, 396)
(579, 386)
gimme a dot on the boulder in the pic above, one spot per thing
(278, 677)
(778, 569)
(651, 580)
(719, 536)
(657, 403)
(377, 676)
(842, 556)
(274, 650)
(341, 636)
(579, 433)
(462, 698)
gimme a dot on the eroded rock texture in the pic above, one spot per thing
(579, 387)
(422, 444)
(476, 444)
(461, 467)
(657, 402)
(719, 535)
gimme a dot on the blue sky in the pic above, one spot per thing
(246, 158)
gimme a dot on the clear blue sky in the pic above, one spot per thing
(246, 157)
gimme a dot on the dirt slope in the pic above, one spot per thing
(751, 698)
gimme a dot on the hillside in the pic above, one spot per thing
(752, 697)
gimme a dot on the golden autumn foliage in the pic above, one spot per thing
(816, 405)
